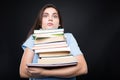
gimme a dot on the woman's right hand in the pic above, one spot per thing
(35, 72)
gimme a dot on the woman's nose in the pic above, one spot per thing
(50, 18)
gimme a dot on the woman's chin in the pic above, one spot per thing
(51, 28)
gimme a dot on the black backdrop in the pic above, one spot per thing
(95, 25)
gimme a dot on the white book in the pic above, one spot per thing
(44, 35)
(50, 45)
(48, 30)
(52, 50)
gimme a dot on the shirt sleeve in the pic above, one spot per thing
(72, 43)
(28, 43)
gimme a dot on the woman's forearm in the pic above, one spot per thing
(26, 58)
(66, 72)
(63, 72)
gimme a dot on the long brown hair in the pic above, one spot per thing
(38, 21)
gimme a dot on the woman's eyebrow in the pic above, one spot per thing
(55, 13)
(52, 13)
(45, 13)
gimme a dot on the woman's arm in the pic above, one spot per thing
(26, 58)
(79, 69)
(66, 72)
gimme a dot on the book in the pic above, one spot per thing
(53, 54)
(55, 62)
(56, 49)
(48, 31)
(49, 39)
(51, 65)
(50, 45)
(44, 35)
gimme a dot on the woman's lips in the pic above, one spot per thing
(50, 24)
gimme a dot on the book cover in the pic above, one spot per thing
(51, 65)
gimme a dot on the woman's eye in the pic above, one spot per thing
(55, 16)
(45, 15)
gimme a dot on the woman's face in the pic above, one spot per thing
(50, 19)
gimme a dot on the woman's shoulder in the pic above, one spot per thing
(68, 34)
(30, 37)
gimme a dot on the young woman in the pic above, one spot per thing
(49, 18)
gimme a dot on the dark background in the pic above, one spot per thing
(94, 23)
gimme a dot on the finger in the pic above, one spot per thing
(33, 74)
(31, 69)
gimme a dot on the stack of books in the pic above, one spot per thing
(52, 49)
